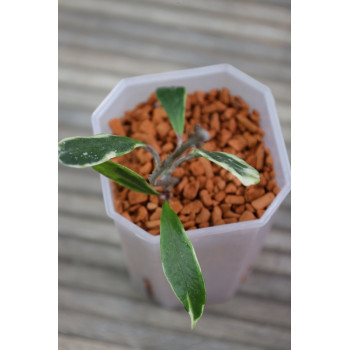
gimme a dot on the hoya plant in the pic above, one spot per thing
(179, 261)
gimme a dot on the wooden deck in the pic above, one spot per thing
(100, 42)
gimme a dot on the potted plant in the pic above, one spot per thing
(224, 252)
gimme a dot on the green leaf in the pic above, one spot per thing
(125, 177)
(233, 164)
(81, 152)
(180, 264)
(173, 100)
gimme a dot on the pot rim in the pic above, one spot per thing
(194, 72)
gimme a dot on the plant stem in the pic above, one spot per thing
(154, 153)
(195, 140)
(181, 160)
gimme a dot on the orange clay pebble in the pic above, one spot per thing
(276, 190)
(242, 118)
(182, 184)
(126, 215)
(154, 232)
(251, 140)
(146, 169)
(251, 160)
(196, 112)
(230, 214)
(191, 190)
(260, 154)
(202, 181)
(117, 127)
(178, 172)
(230, 220)
(142, 214)
(247, 215)
(220, 196)
(151, 206)
(224, 136)
(240, 209)
(118, 205)
(260, 213)
(228, 114)
(238, 142)
(197, 168)
(134, 208)
(263, 180)
(158, 115)
(232, 199)
(253, 192)
(216, 216)
(203, 216)
(168, 147)
(163, 129)
(209, 185)
(206, 164)
(192, 207)
(153, 224)
(176, 206)
(224, 96)
(136, 197)
(205, 197)
(240, 191)
(271, 185)
(231, 188)
(264, 201)
(215, 122)
(154, 199)
(221, 184)
(147, 127)
(249, 207)
(189, 225)
(156, 214)
(216, 106)
(269, 161)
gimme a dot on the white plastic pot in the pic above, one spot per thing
(225, 253)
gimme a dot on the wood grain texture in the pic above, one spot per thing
(100, 43)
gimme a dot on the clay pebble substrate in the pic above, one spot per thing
(207, 194)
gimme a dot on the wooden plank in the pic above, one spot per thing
(250, 11)
(77, 343)
(103, 82)
(187, 57)
(178, 38)
(138, 335)
(78, 251)
(111, 282)
(274, 262)
(205, 22)
(267, 286)
(211, 326)
(88, 229)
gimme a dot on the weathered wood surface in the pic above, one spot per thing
(101, 42)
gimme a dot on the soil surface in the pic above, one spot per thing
(207, 194)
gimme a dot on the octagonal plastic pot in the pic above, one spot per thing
(226, 252)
